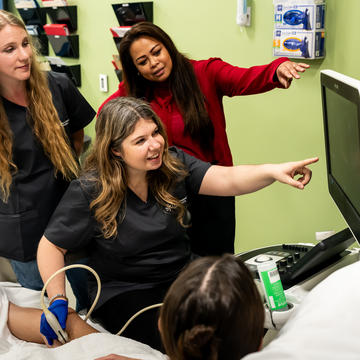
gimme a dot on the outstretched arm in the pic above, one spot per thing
(243, 179)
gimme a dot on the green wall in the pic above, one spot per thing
(278, 126)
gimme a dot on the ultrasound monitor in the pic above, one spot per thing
(341, 113)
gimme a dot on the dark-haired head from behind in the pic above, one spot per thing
(212, 311)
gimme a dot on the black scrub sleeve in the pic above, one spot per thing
(72, 225)
(196, 168)
(74, 111)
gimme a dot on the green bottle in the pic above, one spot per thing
(270, 279)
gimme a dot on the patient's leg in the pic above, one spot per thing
(24, 323)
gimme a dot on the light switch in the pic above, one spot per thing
(103, 82)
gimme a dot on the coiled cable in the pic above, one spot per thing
(46, 311)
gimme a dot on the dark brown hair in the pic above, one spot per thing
(213, 311)
(182, 82)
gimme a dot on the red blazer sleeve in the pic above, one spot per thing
(119, 92)
(232, 80)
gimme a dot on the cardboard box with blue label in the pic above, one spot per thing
(299, 43)
(299, 14)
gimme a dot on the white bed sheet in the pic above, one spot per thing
(87, 347)
(325, 327)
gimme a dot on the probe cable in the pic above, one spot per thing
(47, 311)
(137, 314)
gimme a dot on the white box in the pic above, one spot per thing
(25, 4)
(299, 43)
(299, 14)
(54, 3)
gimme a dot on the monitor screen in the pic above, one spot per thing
(341, 112)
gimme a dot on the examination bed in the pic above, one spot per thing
(86, 348)
(326, 326)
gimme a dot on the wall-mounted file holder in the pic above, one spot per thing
(129, 14)
(26, 4)
(118, 73)
(41, 43)
(54, 3)
(40, 40)
(118, 33)
(56, 29)
(33, 16)
(63, 15)
(72, 71)
(65, 46)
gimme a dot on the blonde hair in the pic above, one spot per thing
(45, 123)
(116, 122)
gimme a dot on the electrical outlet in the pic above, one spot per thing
(103, 82)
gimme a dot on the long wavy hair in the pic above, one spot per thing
(115, 122)
(182, 82)
(213, 311)
(43, 119)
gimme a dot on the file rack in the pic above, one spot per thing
(36, 17)
(41, 43)
(33, 16)
(129, 14)
(72, 71)
(64, 45)
(63, 15)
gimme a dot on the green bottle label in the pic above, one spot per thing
(274, 291)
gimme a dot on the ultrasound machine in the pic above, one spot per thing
(302, 266)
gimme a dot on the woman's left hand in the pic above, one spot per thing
(286, 172)
(289, 70)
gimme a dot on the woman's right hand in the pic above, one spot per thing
(60, 310)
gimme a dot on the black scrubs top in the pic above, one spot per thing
(35, 192)
(151, 247)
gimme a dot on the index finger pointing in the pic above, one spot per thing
(309, 161)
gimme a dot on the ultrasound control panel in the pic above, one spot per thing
(297, 262)
(285, 256)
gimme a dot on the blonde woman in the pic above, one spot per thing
(129, 209)
(42, 117)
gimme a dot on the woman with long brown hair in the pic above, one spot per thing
(129, 210)
(42, 117)
(187, 95)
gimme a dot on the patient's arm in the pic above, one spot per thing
(24, 323)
